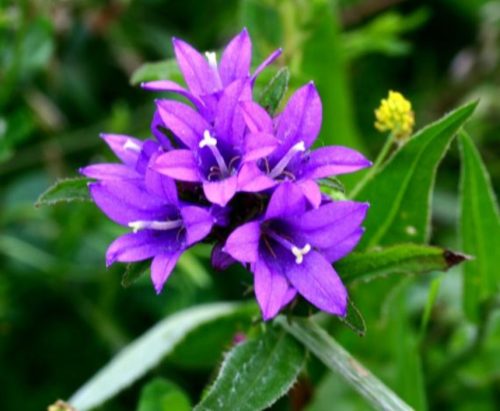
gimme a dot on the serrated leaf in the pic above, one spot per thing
(400, 192)
(163, 70)
(273, 93)
(143, 354)
(336, 358)
(65, 191)
(397, 259)
(479, 229)
(134, 271)
(163, 395)
(255, 373)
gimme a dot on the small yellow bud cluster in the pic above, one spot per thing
(395, 114)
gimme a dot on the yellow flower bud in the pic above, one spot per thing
(395, 115)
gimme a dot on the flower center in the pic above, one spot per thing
(280, 167)
(154, 225)
(298, 252)
(211, 142)
(212, 59)
(130, 145)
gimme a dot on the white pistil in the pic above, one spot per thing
(211, 142)
(208, 140)
(154, 225)
(212, 58)
(280, 167)
(130, 145)
(299, 253)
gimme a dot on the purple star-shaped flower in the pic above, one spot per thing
(221, 155)
(296, 129)
(134, 195)
(291, 247)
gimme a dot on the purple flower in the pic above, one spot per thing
(206, 78)
(219, 155)
(134, 195)
(296, 129)
(291, 247)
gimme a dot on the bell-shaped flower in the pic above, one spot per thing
(219, 155)
(296, 129)
(291, 248)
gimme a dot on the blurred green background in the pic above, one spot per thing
(65, 70)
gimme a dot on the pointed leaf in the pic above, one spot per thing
(335, 357)
(479, 229)
(274, 92)
(162, 70)
(400, 192)
(397, 259)
(255, 374)
(134, 271)
(65, 191)
(144, 353)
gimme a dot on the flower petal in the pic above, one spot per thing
(229, 122)
(132, 247)
(178, 164)
(160, 184)
(124, 201)
(221, 260)
(198, 223)
(172, 87)
(273, 56)
(243, 243)
(311, 191)
(343, 247)
(316, 280)
(271, 289)
(161, 268)
(236, 59)
(259, 145)
(256, 118)
(220, 192)
(252, 179)
(300, 120)
(286, 201)
(330, 224)
(332, 161)
(185, 122)
(109, 171)
(126, 148)
(156, 129)
(200, 77)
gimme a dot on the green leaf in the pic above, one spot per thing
(163, 395)
(162, 70)
(65, 191)
(397, 259)
(273, 93)
(354, 319)
(400, 192)
(134, 271)
(255, 373)
(144, 353)
(336, 358)
(479, 229)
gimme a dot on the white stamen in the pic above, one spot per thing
(280, 167)
(299, 253)
(130, 145)
(154, 225)
(212, 58)
(208, 140)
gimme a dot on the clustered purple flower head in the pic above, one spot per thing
(222, 170)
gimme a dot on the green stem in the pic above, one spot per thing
(375, 168)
